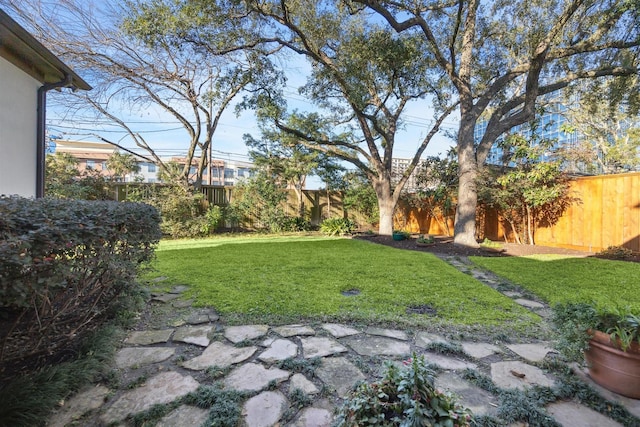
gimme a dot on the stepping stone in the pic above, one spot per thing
(236, 334)
(197, 335)
(632, 405)
(165, 298)
(184, 416)
(571, 414)
(254, 377)
(389, 333)
(423, 339)
(377, 346)
(86, 400)
(149, 337)
(279, 350)
(339, 331)
(294, 330)
(320, 347)
(163, 388)
(265, 409)
(220, 355)
(478, 350)
(198, 319)
(300, 382)
(531, 352)
(178, 289)
(339, 374)
(448, 363)
(528, 303)
(129, 357)
(480, 402)
(182, 303)
(512, 294)
(159, 279)
(510, 375)
(318, 415)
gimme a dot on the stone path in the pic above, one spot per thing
(298, 375)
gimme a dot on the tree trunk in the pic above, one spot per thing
(386, 205)
(465, 222)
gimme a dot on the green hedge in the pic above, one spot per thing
(65, 265)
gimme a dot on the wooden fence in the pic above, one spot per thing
(607, 214)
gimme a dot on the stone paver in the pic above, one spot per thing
(165, 298)
(478, 350)
(184, 416)
(531, 352)
(478, 400)
(254, 377)
(377, 346)
(528, 303)
(632, 405)
(198, 335)
(423, 339)
(448, 363)
(86, 400)
(518, 375)
(148, 337)
(314, 417)
(163, 388)
(320, 347)
(389, 333)
(221, 355)
(129, 357)
(236, 334)
(570, 414)
(300, 382)
(183, 303)
(339, 374)
(294, 330)
(280, 349)
(197, 319)
(265, 409)
(178, 289)
(338, 330)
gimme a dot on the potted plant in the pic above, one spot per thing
(427, 240)
(491, 246)
(400, 235)
(609, 339)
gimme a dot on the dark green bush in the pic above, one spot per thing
(65, 267)
(337, 226)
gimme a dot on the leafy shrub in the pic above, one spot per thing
(404, 397)
(337, 226)
(65, 266)
(615, 252)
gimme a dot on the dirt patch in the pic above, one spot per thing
(444, 245)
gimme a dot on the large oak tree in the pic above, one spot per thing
(501, 56)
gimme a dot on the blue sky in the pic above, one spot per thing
(168, 137)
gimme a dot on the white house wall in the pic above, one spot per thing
(18, 115)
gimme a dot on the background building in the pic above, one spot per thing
(94, 155)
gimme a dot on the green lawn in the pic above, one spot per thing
(302, 278)
(558, 279)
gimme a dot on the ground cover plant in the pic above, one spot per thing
(558, 279)
(296, 278)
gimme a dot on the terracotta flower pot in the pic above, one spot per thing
(612, 368)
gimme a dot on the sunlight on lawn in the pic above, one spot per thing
(559, 279)
(299, 277)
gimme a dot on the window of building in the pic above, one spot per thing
(104, 166)
(151, 167)
(228, 183)
(192, 170)
(229, 173)
(91, 164)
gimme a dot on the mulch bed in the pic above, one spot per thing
(444, 245)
